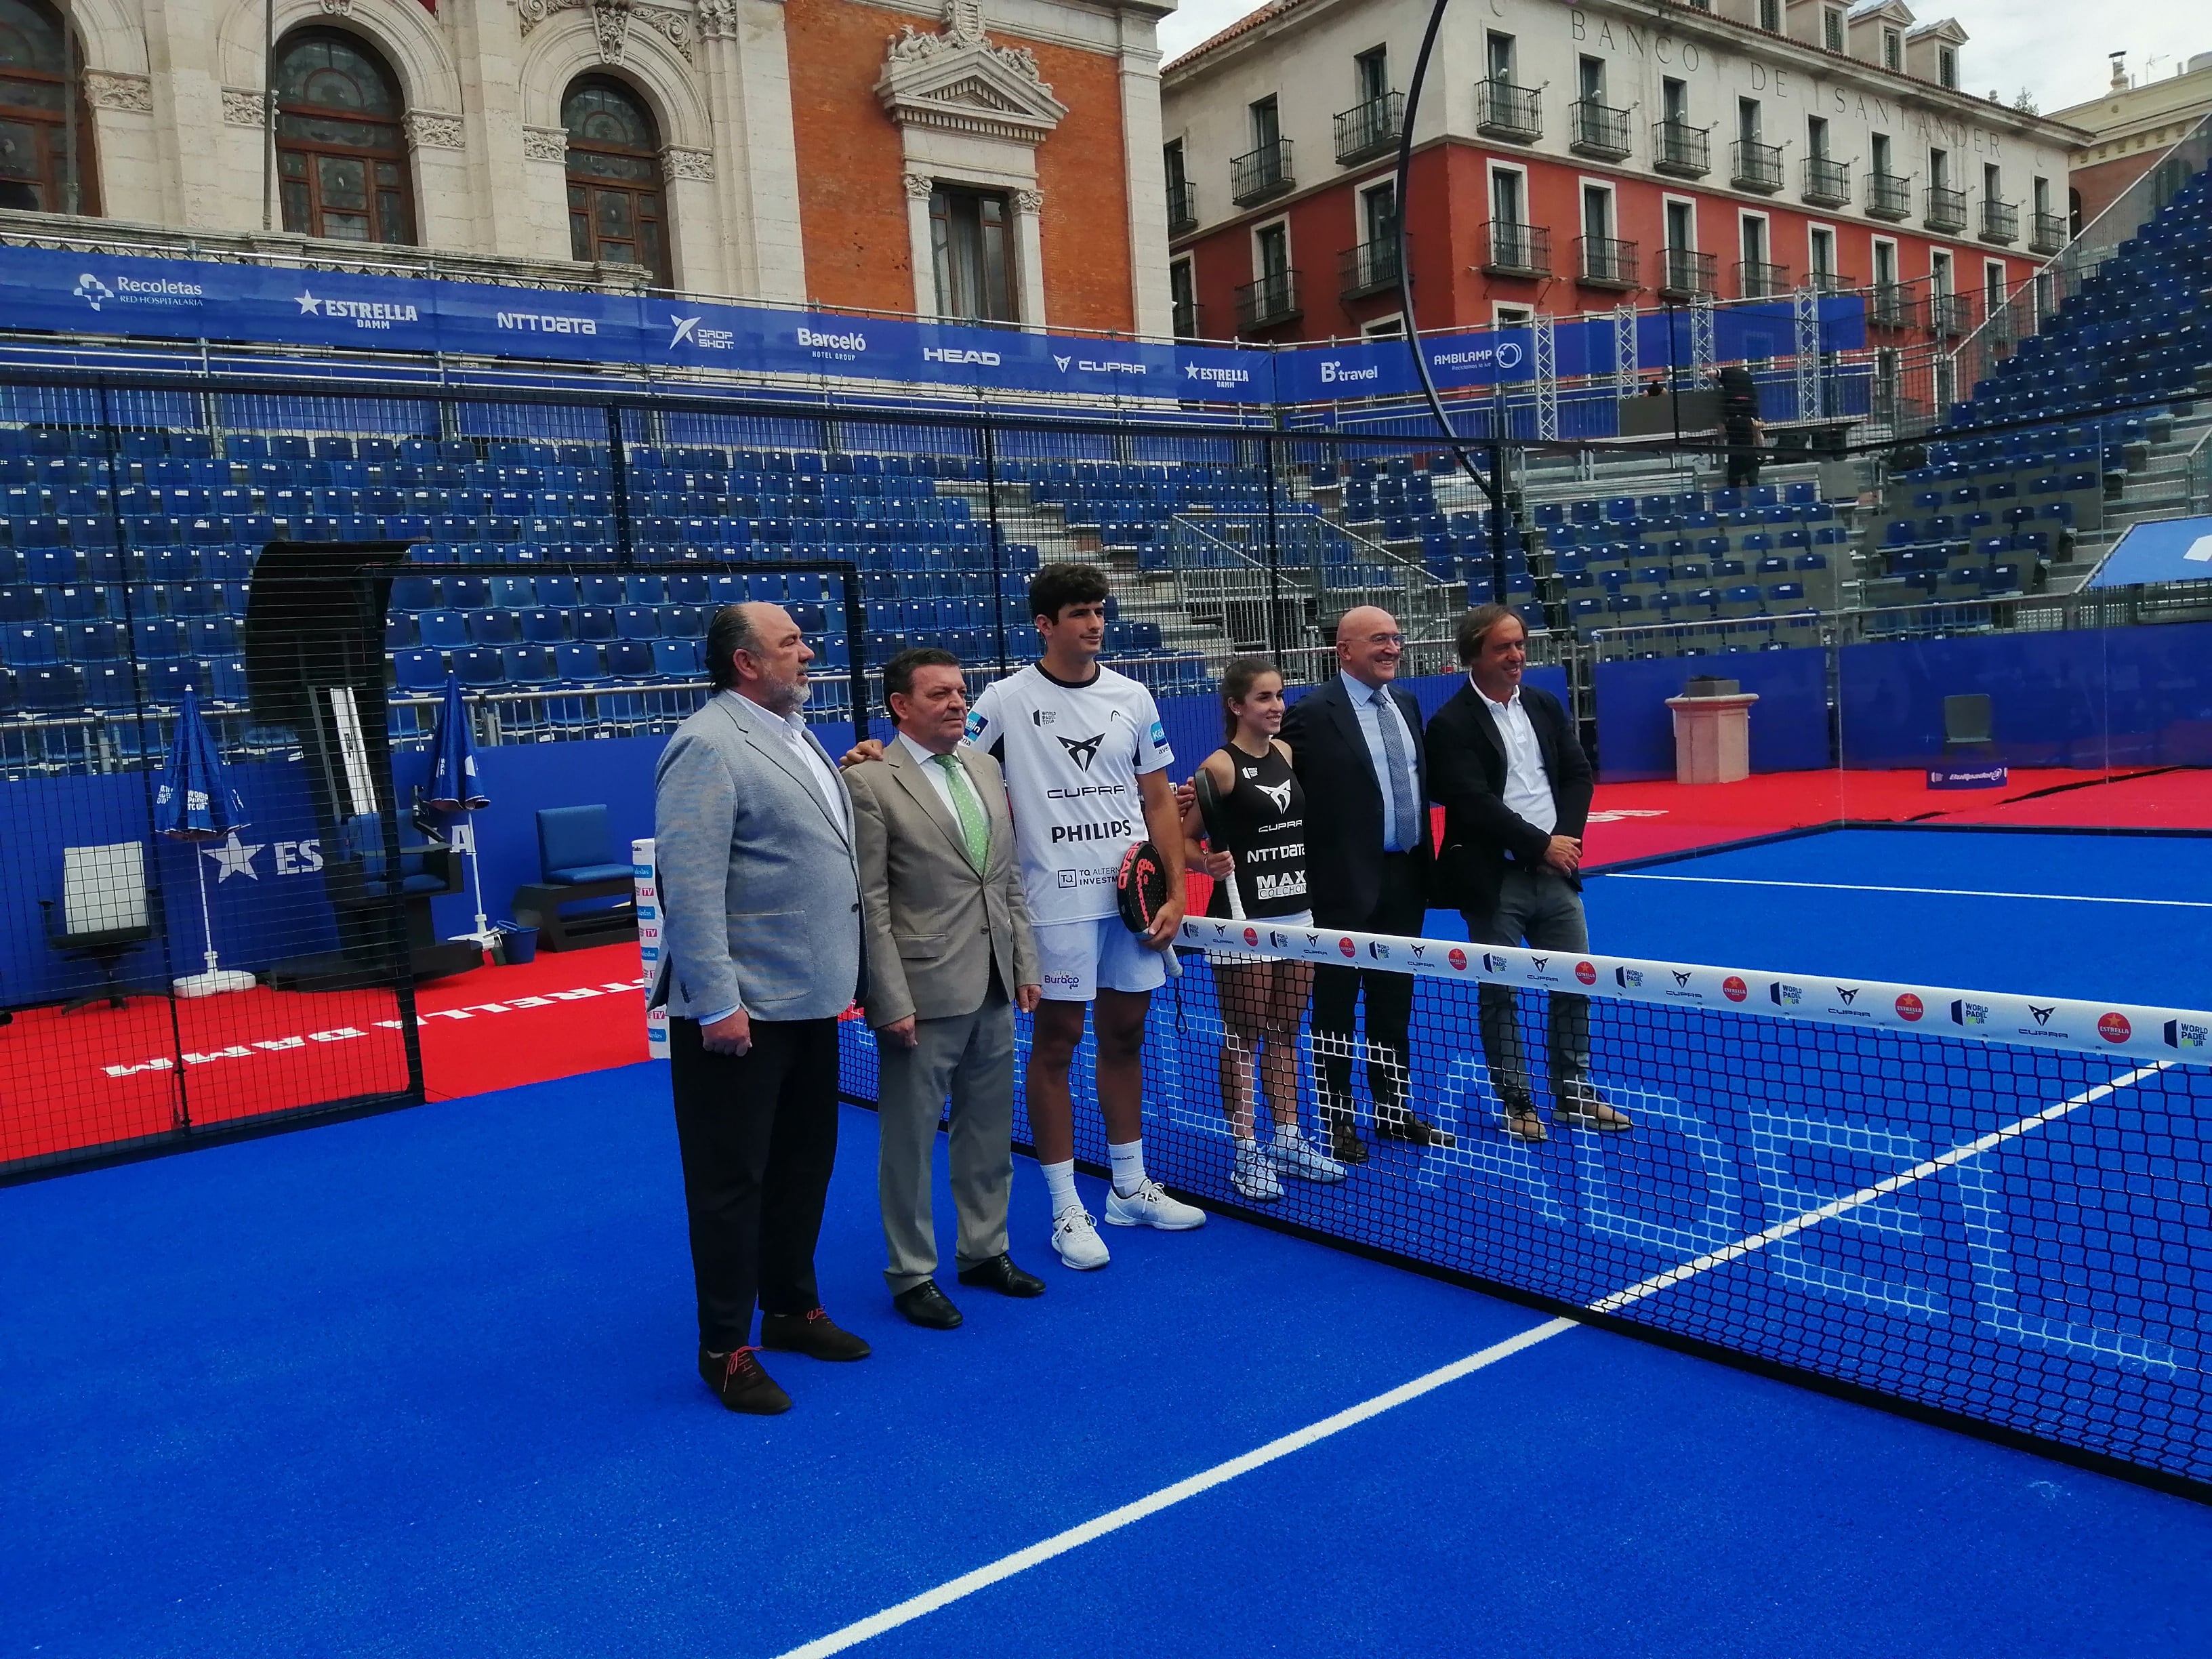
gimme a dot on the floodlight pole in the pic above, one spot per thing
(268, 113)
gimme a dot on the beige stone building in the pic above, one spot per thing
(2132, 128)
(996, 163)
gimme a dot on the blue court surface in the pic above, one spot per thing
(421, 1384)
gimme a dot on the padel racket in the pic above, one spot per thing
(1140, 888)
(1217, 833)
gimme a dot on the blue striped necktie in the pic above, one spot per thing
(1401, 772)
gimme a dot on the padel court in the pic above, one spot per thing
(420, 1382)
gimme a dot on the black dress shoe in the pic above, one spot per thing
(1402, 1125)
(811, 1333)
(1345, 1144)
(925, 1305)
(740, 1384)
(1001, 1274)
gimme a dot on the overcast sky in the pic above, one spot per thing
(2055, 48)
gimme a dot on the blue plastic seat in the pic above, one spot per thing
(575, 846)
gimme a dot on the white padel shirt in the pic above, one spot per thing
(1071, 754)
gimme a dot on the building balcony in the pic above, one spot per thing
(1756, 279)
(1259, 175)
(1946, 211)
(1182, 208)
(1681, 149)
(1509, 249)
(1951, 314)
(1827, 183)
(1756, 166)
(1888, 306)
(1502, 110)
(1684, 274)
(1369, 130)
(1999, 221)
(1187, 326)
(1829, 281)
(2046, 234)
(1268, 303)
(1370, 269)
(1606, 261)
(1595, 128)
(1888, 196)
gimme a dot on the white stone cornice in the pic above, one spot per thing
(106, 89)
(679, 161)
(958, 81)
(545, 145)
(241, 107)
(431, 130)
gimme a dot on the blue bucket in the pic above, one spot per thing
(517, 945)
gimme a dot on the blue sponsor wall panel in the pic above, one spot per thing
(1789, 723)
(2124, 697)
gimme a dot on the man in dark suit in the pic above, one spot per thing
(1515, 786)
(1355, 743)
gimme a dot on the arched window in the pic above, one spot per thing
(615, 209)
(341, 152)
(45, 131)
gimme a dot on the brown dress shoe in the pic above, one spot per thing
(1525, 1122)
(1402, 1125)
(812, 1334)
(1345, 1144)
(740, 1384)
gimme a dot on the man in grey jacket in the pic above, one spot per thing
(760, 955)
(950, 957)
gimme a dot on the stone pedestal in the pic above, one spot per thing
(1712, 737)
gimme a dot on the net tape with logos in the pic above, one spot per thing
(1983, 1204)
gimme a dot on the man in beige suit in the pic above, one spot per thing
(948, 936)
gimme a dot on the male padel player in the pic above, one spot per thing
(1086, 758)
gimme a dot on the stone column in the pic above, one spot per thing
(698, 225)
(755, 176)
(1150, 302)
(186, 96)
(496, 188)
(919, 186)
(125, 154)
(448, 185)
(1029, 231)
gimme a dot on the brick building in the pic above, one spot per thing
(1573, 158)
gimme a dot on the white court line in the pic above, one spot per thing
(1939, 892)
(1005, 1567)
(1881, 1188)
(1113, 1520)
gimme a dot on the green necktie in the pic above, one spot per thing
(975, 829)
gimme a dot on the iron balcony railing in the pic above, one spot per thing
(1684, 273)
(1369, 268)
(1182, 208)
(1757, 165)
(1888, 195)
(1595, 128)
(1608, 262)
(1514, 249)
(2000, 221)
(1950, 313)
(1888, 306)
(2047, 234)
(1272, 299)
(1259, 174)
(1502, 110)
(1369, 130)
(1946, 211)
(1828, 181)
(1186, 313)
(1757, 279)
(1682, 149)
(1829, 281)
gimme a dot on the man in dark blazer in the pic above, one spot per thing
(1515, 785)
(1355, 743)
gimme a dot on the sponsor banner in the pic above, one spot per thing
(2102, 1027)
(189, 300)
(645, 884)
(1985, 776)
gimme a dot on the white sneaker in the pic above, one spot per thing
(1148, 1207)
(1254, 1176)
(1300, 1161)
(1075, 1237)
